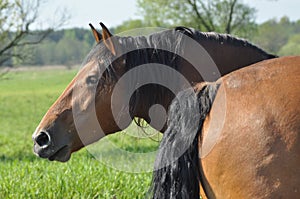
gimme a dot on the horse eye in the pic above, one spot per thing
(92, 79)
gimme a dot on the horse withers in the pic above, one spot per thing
(238, 137)
(73, 121)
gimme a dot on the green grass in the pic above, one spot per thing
(24, 98)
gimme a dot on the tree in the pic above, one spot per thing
(226, 16)
(129, 25)
(292, 47)
(274, 34)
(16, 20)
(64, 47)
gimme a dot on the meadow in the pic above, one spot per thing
(24, 98)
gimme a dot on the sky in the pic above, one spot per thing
(114, 12)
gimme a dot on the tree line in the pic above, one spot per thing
(70, 46)
(21, 46)
(64, 47)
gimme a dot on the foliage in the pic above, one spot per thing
(129, 25)
(226, 16)
(274, 34)
(64, 47)
(25, 96)
(292, 47)
(16, 20)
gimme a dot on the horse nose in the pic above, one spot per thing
(43, 139)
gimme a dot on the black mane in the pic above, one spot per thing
(176, 170)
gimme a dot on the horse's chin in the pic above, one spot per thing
(62, 155)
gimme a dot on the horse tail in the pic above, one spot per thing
(176, 170)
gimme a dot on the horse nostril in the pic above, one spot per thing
(43, 139)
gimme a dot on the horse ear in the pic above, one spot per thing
(105, 31)
(107, 39)
(96, 34)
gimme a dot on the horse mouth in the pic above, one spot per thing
(62, 155)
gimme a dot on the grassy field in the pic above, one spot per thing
(25, 96)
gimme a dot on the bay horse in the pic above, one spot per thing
(239, 136)
(73, 121)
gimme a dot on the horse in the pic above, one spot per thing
(238, 137)
(73, 121)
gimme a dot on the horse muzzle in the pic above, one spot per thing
(45, 147)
